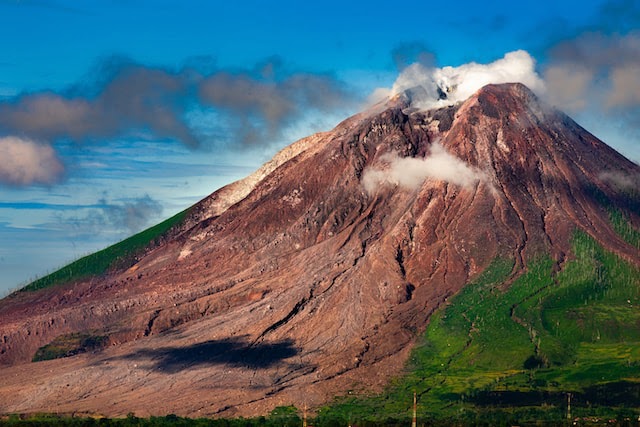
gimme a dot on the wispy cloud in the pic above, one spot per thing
(128, 216)
(45, 206)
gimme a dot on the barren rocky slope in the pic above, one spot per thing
(299, 283)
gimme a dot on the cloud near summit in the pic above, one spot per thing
(593, 76)
(438, 87)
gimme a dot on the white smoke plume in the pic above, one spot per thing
(25, 162)
(438, 87)
(411, 172)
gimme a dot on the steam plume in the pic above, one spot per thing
(449, 85)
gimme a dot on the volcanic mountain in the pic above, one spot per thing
(315, 275)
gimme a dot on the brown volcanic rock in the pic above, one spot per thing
(296, 284)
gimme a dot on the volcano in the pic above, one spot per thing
(316, 275)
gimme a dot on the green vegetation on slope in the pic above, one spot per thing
(519, 351)
(69, 345)
(623, 227)
(120, 255)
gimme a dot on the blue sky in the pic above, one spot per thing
(117, 114)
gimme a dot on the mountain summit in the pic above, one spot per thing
(316, 274)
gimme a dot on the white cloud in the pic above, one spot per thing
(25, 162)
(411, 172)
(449, 85)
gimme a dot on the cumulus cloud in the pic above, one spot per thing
(26, 162)
(437, 87)
(411, 172)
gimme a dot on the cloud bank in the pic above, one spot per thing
(433, 87)
(131, 98)
(410, 172)
(25, 162)
(123, 99)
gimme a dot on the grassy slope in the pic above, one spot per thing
(121, 254)
(521, 349)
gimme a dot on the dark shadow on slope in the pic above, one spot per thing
(229, 351)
